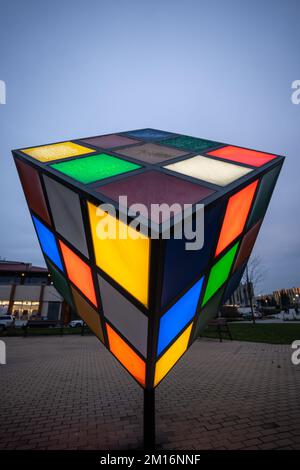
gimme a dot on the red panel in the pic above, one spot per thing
(247, 245)
(33, 190)
(237, 211)
(241, 155)
(153, 187)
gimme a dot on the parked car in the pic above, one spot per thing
(230, 312)
(248, 315)
(76, 323)
(6, 321)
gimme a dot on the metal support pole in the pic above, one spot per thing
(149, 419)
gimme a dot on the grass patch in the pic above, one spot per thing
(274, 333)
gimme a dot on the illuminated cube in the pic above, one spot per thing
(146, 297)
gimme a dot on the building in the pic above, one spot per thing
(27, 292)
(241, 295)
(281, 298)
(286, 297)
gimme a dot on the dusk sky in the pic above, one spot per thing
(216, 69)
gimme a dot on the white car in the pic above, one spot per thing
(76, 323)
(5, 321)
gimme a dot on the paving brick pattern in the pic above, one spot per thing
(70, 393)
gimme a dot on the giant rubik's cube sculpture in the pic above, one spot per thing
(147, 299)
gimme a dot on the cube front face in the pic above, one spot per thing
(146, 299)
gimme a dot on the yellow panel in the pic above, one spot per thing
(47, 153)
(124, 259)
(166, 362)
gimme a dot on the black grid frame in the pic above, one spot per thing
(157, 246)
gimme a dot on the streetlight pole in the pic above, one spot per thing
(250, 293)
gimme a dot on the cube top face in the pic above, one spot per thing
(150, 165)
(146, 296)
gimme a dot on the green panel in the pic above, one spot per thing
(94, 168)
(219, 273)
(189, 143)
(263, 197)
(60, 283)
(209, 312)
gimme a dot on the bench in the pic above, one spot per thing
(221, 325)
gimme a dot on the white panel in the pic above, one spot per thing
(122, 314)
(208, 169)
(66, 212)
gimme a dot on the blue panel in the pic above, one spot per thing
(182, 267)
(150, 134)
(48, 242)
(178, 316)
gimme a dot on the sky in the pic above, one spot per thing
(218, 69)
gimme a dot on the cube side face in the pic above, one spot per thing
(145, 299)
(116, 311)
(221, 283)
(231, 228)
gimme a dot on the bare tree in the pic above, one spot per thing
(253, 275)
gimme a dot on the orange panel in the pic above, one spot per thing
(237, 211)
(79, 273)
(130, 360)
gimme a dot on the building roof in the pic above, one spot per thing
(19, 266)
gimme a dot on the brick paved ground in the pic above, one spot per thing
(69, 393)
